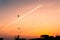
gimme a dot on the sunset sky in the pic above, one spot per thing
(43, 20)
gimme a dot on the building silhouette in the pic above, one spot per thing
(43, 37)
(57, 38)
(47, 37)
(1, 38)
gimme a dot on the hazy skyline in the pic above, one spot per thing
(44, 20)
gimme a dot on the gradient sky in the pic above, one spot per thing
(44, 20)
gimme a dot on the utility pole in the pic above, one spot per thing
(18, 26)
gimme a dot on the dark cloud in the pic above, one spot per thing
(7, 2)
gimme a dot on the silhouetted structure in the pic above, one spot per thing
(1, 38)
(47, 37)
(43, 37)
(57, 38)
(17, 38)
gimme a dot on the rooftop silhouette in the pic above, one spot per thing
(43, 37)
(1, 38)
(47, 37)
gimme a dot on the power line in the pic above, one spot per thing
(21, 17)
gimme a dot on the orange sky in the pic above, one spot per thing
(44, 20)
